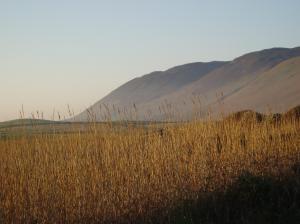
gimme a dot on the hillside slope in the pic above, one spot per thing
(247, 82)
(278, 89)
(226, 81)
(26, 122)
(153, 86)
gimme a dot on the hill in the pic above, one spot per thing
(26, 122)
(277, 88)
(152, 86)
(253, 81)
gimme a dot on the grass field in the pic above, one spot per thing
(229, 171)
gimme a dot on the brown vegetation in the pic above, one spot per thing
(209, 172)
(293, 114)
(246, 116)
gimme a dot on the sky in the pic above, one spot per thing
(57, 53)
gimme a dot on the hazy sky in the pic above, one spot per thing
(58, 52)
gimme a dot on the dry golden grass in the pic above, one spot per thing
(137, 173)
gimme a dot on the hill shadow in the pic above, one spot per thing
(251, 199)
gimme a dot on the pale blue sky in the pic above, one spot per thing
(59, 52)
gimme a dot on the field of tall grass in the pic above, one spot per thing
(229, 171)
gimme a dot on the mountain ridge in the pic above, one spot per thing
(179, 84)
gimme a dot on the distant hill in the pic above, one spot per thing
(152, 86)
(256, 81)
(26, 122)
(277, 89)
